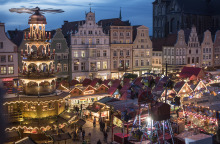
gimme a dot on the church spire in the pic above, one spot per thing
(90, 6)
(120, 17)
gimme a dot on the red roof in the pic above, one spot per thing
(125, 96)
(112, 90)
(95, 81)
(178, 86)
(189, 71)
(116, 83)
(126, 80)
(106, 82)
(74, 82)
(125, 88)
(86, 82)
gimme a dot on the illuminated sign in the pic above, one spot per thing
(7, 79)
(117, 122)
(89, 92)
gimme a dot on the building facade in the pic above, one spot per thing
(121, 42)
(157, 62)
(193, 49)
(8, 58)
(217, 49)
(90, 51)
(62, 54)
(169, 16)
(142, 51)
(207, 50)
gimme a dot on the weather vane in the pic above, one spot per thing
(35, 10)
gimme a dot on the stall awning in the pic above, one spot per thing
(61, 137)
(80, 122)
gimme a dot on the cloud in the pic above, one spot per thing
(137, 11)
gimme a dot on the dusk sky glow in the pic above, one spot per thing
(139, 12)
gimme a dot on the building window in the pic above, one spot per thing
(1, 45)
(115, 34)
(121, 41)
(180, 52)
(104, 41)
(90, 41)
(128, 52)
(105, 65)
(65, 56)
(189, 51)
(148, 62)
(90, 32)
(159, 61)
(142, 62)
(10, 58)
(177, 52)
(3, 70)
(121, 63)
(83, 66)
(75, 53)
(76, 66)
(142, 54)
(93, 66)
(10, 69)
(115, 53)
(188, 60)
(98, 65)
(127, 41)
(65, 68)
(210, 50)
(209, 56)
(142, 46)
(196, 51)
(97, 41)
(203, 50)
(98, 53)
(121, 34)
(115, 64)
(192, 59)
(58, 45)
(82, 53)
(207, 50)
(83, 41)
(127, 33)
(165, 51)
(3, 58)
(93, 53)
(59, 67)
(121, 53)
(127, 63)
(58, 57)
(147, 53)
(197, 60)
(203, 56)
(172, 52)
(104, 53)
(136, 62)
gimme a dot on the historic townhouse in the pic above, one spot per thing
(90, 51)
(217, 49)
(207, 49)
(157, 62)
(121, 39)
(62, 54)
(193, 49)
(8, 58)
(142, 51)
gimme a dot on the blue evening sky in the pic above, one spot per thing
(139, 12)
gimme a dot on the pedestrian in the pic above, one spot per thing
(99, 142)
(94, 122)
(74, 135)
(103, 126)
(105, 136)
(83, 135)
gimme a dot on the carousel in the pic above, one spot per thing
(39, 107)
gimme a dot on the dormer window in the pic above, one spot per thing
(90, 24)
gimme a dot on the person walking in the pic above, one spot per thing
(105, 136)
(83, 135)
(99, 142)
(103, 126)
(94, 122)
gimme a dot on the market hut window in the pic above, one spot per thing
(30, 107)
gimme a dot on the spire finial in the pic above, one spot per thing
(120, 17)
(90, 6)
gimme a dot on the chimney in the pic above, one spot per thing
(2, 27)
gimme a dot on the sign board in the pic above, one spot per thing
(89, 92)
(117, 122)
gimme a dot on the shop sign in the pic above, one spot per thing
(117, 122)
(89, 92)
(7, 79)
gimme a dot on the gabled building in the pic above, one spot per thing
(192, 73)
(207, 50)
(90, 51)
(193, 49)
(8, 59)
(142, 51)
(62, 62)
(217, 49)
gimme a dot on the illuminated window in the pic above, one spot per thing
(10, 69)
(90, 41)
(97, 41)
(65, 68)
(147, 53)
(121, 53)
(128, 52)
(127, 41)
(82, 53)
(142, 62)
(10, 58)
(105, 65)
(98, 65)
(127, 63)
(2, 69)
(75, 53)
